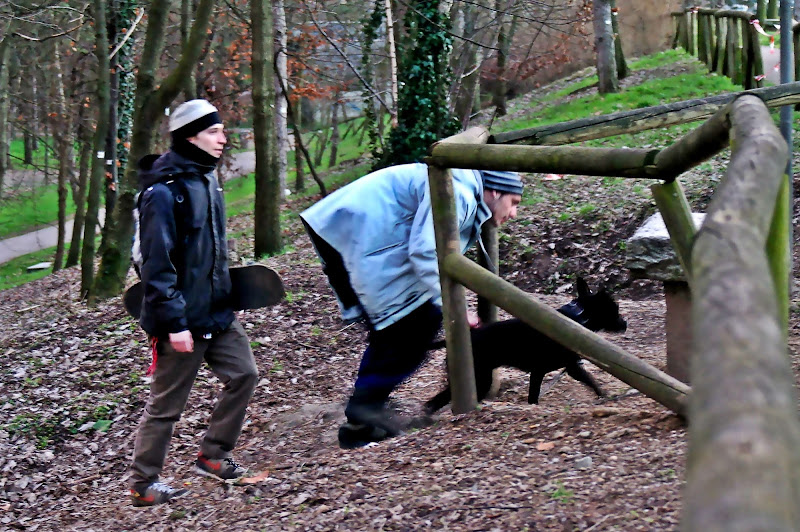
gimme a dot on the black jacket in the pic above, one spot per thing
(184, 254)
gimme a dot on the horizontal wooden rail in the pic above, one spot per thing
(620, 162)
(643, 119)
(652, 382)
(743, 467)
(708, 139)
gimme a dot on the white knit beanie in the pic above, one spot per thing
(192, 117)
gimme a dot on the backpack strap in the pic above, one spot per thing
(180, 206)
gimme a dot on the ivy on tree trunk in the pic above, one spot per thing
(424, 73)
(102, 95)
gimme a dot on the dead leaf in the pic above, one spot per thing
(605, 411)
(255, 479)
(545, 446)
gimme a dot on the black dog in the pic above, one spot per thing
(513, 343)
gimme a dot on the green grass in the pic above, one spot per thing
(14, 272)
(17, 152)
(28, 210)
(686, 86)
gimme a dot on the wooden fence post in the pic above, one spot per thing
(677, 216)
(755, 61)
(676, 23)
(743, 463)
(721, 39)
(454, 303)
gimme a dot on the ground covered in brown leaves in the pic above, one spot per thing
(74, 387)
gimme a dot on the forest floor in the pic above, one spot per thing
(74, 388)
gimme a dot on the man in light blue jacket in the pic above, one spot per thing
(376, 242)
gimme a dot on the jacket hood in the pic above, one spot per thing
(156, 168)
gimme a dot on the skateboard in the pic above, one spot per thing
(253, 286)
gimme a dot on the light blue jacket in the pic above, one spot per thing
(382, 226)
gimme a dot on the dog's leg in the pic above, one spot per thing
(439, 401)
(576, 371)
(483, 383)
(535, 387)
(494, 389)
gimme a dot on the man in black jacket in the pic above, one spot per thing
(186, 311)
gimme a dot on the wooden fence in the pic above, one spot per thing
(744, 435)
(727, 42)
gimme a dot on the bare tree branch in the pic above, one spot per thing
(347, 61)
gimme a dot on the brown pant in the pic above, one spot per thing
(229, 356)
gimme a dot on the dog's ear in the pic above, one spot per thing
(583, 288)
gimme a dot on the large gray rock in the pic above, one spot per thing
(649, 252)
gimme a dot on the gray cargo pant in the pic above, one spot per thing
(230, 358)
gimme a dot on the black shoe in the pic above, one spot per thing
(155, 493)
(353, 436)
(225, 469)
(377, 416)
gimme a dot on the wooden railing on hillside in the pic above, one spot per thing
(744, 435)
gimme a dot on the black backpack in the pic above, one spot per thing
(180, 212)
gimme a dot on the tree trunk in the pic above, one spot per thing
(5, 52)
(79, 198)
(604, 44)
(267, 226)
(322, 142)
(390, 48)
(110, 175)
(469, 72)
(334, 142)
(619, 55)
(27, 147)
(299, 176)
(150, 100)
(62, 138)
(189, 89)
(281, 120)
(98, 163)
(499, 96)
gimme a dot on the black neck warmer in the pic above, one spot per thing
(184, 148)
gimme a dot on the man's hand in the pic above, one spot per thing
(473, 319)
(182, 342)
